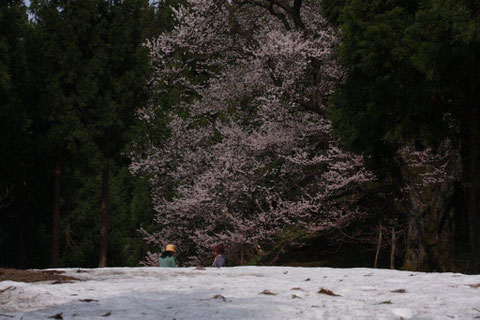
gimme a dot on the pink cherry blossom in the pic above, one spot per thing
(250, 152)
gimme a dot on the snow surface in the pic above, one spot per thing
(236, 293)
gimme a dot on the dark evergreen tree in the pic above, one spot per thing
(122, 89)
(91, 71)
(16, 138)
(71, 80)
(411, 74)
(64, 89)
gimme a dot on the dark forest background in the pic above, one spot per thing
(73, 74)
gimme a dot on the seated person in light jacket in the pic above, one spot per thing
(220, 260)
(167, 258)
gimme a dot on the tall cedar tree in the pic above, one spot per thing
(412, 76)
(123, 89)
(93, 72)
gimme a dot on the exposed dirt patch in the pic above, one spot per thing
(399, 291)
(328, 292)
(268, 292)
(34, 276)
(297, 288)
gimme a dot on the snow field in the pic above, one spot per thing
(245, 293)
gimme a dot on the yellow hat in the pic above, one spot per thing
(170, 247)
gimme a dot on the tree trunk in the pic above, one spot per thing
(379, 244)
(472, 185)
(25, 242)
(431, 230)
(56, 215)
(394, 249)
(104, 221)
(241, 254)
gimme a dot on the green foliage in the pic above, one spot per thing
(130, 207)
(378, 86)
(71, 81)
(14, 76)
(332, 9)
(411, 79)
(408, 64)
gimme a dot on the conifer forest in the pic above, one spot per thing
(336, 133)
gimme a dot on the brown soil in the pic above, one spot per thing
(34, 276)
(328, 292)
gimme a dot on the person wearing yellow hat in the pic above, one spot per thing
(167, 258)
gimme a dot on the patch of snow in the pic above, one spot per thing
(245, 293)
(403, 313)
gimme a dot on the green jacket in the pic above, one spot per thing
(167, 262)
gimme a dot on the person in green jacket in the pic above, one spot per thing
(167, 260)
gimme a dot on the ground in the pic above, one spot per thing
(237, 293)
(34, 275)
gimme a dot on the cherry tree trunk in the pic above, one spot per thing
(104, 220)
(57, 171)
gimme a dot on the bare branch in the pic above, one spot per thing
(295, 13)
